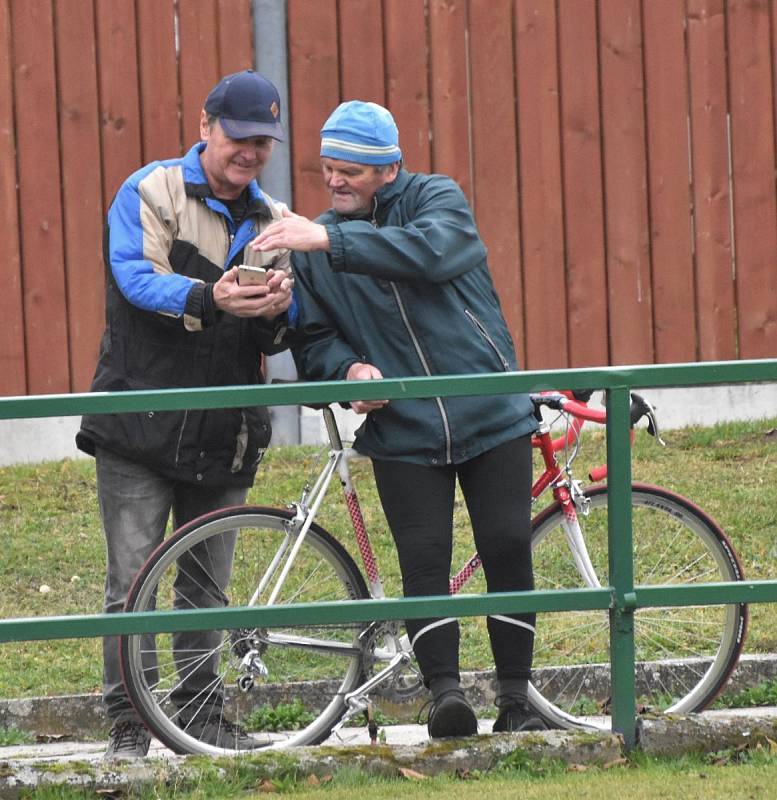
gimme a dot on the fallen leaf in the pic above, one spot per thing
(267, 787)
(411, 774)
(313, 781)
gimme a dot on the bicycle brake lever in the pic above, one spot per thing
(652, 426)
(642, 408)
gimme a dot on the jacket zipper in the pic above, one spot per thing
(484, 333)
(425, 365)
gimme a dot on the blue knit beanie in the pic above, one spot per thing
(364, 133)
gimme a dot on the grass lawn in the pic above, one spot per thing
(53, 559)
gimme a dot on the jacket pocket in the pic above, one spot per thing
(481, 329)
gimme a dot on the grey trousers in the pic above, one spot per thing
(135, 505)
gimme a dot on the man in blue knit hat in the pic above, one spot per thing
(393, 281)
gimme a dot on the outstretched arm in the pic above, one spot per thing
(292, 232)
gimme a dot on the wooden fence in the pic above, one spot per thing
(619, 155)
(89, 91)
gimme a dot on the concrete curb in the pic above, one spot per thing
(78, 765)
(709, 732)
(19, 775)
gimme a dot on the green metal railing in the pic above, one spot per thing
(621, 598)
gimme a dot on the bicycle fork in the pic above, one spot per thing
(571, 499)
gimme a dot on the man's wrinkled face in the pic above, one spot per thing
(352, 186)
(231, 164)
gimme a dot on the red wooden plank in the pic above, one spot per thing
(716, 301)
(198, 33)
(674, 315)
(314, 93)
(40, 200)
(624, 158)
(582, 184)
(542, 228)
(158, 66)
(494, 153)
(119, 102)
(450, 109)
(407, 79)
(361, 51)
(12, 373)
(236, 48)
(755, 209)
(79, 133)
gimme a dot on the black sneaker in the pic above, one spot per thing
(127, 740)
(451, 716)
(220, 732)
(516, 718)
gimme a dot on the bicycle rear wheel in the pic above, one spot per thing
(684, 655)
(190, 686)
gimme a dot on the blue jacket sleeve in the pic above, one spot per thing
(139, 239)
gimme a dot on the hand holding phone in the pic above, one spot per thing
(251, 276)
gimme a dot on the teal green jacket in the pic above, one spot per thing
(409, 291)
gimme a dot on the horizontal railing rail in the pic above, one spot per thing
(621, 598)
(27, 629)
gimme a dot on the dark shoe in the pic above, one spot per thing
(515, 718)
(451, 716)
(220, 732)
(128, 739)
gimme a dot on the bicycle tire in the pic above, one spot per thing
(177, 688)
(684, 655)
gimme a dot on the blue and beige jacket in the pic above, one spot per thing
(167, 240)
(410, 292)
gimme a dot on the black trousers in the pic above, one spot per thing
(418, 504)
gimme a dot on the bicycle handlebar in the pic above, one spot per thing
(561, 401)
(578, 410)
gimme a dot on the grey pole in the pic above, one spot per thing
(271, 54)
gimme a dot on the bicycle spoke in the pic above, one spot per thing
(682, 654)
(182, 675)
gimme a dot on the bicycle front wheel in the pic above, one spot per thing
(218, 692)
(684, 655)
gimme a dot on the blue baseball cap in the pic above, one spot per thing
(247, 105)
(364, 133)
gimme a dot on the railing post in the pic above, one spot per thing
(621, 560)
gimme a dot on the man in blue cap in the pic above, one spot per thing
(393, 281)
(177, 317)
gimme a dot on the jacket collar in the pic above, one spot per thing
(389, 192)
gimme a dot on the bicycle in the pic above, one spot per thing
(330, 672)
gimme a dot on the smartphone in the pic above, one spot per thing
(251, 276)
